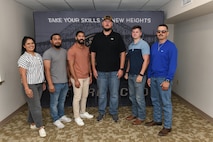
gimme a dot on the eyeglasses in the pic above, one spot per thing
(163, 31)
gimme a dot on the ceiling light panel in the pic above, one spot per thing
(55, 4)
(81, 4)
(132, 4)
(106, 4)
(157, 2)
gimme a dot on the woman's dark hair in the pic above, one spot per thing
(24, 40)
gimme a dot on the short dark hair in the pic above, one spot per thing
(79, 32)
(136, 27)
(24, 40)
(51, 37)
(163, 25)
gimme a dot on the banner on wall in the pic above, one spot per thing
(67, 23)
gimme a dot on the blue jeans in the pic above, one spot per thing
(34, 104)
(57, 100)
(136, 96)
(161, 101)
(108, 81)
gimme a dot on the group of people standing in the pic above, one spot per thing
(105, 60)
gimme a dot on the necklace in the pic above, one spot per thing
(160, 45)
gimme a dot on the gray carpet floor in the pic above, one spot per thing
(188, 126)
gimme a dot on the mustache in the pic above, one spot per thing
(80, 39)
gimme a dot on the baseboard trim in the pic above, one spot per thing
(4, 121)
(191, 106)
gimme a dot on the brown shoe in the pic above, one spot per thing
(131, 117)
(153, 123)
(164, 131)
(137, 122)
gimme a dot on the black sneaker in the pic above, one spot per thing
(115, 117)
(100, 116)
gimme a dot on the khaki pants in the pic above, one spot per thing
(80, 96)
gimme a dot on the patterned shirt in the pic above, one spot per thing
(34, 67)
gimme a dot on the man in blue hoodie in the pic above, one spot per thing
(162, 67)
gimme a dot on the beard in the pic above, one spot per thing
(80, 41)
(107, 29)
(57, 46)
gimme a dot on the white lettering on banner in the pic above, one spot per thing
(98, 20)
(90, 20)
(55, 20)
(118, 20)
(92, 92)
(138, 20)
(71, 20)
(123, 92)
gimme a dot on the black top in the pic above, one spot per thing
(107, 49)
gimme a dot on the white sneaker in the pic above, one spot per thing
(79, 121)
(42, 132)
(65, 119)
(86, 115)
(58, 124)
(33, 126)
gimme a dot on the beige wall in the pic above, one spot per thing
(171, 32)
(193, 80)
(176, 7)
(16, 21)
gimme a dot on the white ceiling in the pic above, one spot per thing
(114, 5)
(95, 5)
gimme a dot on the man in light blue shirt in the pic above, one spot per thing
(138, 60)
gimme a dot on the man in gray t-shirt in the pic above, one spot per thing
(58, 70)
(55, 64)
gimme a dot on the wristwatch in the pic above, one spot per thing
(167, 80)
(141, 74)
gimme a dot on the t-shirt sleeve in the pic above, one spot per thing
(70, 54)
(47, 55)
(145, 49)
(22, 62)
(93, 44)
(121, 44)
